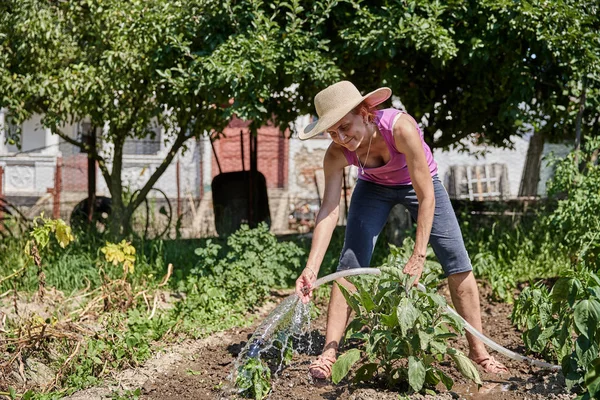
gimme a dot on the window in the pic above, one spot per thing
(148, 145)
(479, 182)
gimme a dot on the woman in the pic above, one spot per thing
(395, 166)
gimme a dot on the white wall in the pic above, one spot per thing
(30, 173)
(513, 158)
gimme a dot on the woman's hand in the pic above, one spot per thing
(414, 266)
(304, 284)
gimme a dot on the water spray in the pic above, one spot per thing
(493, 345)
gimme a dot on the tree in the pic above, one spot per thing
(189, 65)
(484, 69)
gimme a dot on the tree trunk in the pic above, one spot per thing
(119, 221)
(531, 171)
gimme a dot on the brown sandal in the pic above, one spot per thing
(491, 366)
(320, 368)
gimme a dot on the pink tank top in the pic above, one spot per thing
(395, 172)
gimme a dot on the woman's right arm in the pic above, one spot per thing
(333, 166)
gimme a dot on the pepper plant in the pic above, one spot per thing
(402, 331)
(563, 325)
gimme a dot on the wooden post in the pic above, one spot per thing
(57, 189)
(1, 198)
(178, 169)
(91, 205)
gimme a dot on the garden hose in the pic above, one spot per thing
(493, 345)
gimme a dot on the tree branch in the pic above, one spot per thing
(68, 139)
(85, 149)
(139, 198)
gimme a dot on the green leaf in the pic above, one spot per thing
(407, 315)
(424, 339)
(391, 320)
(416, 373)
(366, 372)
(592, 378)
(365, 297)
(437, 299)
(585, 350)
(586, 317)
(446, 380)
(565, 289)
(465, 366)
(350, 298)
(440, 347)
(343, 364)
(393, 272)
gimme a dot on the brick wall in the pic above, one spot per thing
(272, 156)
(74, 173)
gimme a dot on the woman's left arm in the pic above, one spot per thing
(408, 142)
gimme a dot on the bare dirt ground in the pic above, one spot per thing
(198, 369)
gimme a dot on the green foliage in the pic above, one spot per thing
(506, 254)
(127, 336)
(43, 227)
(121, 65)
(127, 343)
(224, 286)
(564, 326)
(561, 237)
(575, 223)
(403, 324)
(127, 394)
(437, 56)
(253, 379)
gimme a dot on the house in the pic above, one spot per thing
(30, 175)
(292, 170)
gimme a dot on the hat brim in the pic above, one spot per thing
(373, 99)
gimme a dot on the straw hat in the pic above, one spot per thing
(334, 102)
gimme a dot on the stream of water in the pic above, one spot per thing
(275, 340)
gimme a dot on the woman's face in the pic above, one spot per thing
(350, 131)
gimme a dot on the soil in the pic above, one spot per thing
(199, 369)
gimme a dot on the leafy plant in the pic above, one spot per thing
(575, 222)
(402, 331)
(43, 227)
(222, 287)
(120, 253)
(564, 326)
(254, 379)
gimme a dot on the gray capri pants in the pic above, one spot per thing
(369, 209)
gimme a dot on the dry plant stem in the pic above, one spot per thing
(15, 299)
(21, 368)
(2, 322)
(62, 368)
(167, 276)
(146, 301)
(41, 276)
(154, 307)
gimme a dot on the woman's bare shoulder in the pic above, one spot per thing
(335, 157)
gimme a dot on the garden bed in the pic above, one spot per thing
(198, 369)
